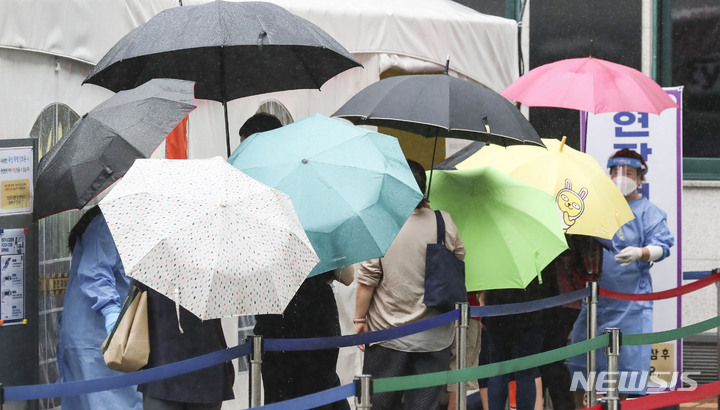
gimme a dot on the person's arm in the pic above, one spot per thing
(453, 241)
(95, 272)
(368, 277)
(345, 275)
(363, 296)
(631, 254)
(658, 243)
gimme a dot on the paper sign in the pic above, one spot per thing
(16, 176)
(12, 276)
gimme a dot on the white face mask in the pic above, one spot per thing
(625, 184)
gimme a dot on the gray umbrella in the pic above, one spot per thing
(230, 49)
(104, 143)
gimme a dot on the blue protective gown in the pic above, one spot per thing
(96, 278)
(648, 228)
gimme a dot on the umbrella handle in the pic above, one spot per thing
(227, 129)
(177, 308)
(432, 165)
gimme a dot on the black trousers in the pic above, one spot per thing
(287, 375)
(382, 362)
(556, 376)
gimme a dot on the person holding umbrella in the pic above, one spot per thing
(95, 290)
(390, 293)
(259, 122)
(626, 267)
(312, 312)
(175, 335)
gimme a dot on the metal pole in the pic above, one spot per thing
(2, 395)
(461, 359)
(612, 352)
(363, 392)
(590, 395)
(255, 381)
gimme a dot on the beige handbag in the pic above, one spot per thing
(127, 347)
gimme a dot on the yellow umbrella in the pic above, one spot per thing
(588, 201)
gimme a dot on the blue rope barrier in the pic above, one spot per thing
(46, 391)
(525, 307)
(695, 275)
(315, 399)
(274, 345)
(35, 392)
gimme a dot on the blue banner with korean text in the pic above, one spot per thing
(658, 138)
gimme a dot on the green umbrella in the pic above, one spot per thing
(351, 188)
(511, 230)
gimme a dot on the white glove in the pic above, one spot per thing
(111, 311)
(656, 252)
(628, 255)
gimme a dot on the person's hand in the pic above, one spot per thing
(110, 312)
(628, 255)
(361, 328)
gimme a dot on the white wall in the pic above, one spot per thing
(701, 236)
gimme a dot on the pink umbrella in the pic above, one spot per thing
(589, 84)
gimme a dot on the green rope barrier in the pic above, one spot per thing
(418, 381)
(390, 384)
(667, 335)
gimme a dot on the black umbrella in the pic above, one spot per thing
(439, 105)
(230, 49)
(104, 143)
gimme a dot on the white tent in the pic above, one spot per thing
(47, 48)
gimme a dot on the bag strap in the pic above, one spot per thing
(440, 228)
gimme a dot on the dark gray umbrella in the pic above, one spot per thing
(439, 105)
(104, 143)
(230, 49)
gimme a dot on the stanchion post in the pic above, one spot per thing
(363, 392)
(255, 382)
(461, 359)
(590, 394)
(612, 352)
(2, 396)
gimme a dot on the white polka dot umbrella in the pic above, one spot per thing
(208, 236)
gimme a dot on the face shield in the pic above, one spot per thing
(624, 172)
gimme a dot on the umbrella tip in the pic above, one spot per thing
(592, 46)
(562, 143)
(447, 64)
(261, 36)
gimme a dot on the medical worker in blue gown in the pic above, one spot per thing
(96, 289)
(626, 268)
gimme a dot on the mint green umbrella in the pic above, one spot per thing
(511, 230)
(351, 188)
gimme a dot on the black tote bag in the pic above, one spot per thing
(444, 274)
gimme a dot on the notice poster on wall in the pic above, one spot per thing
(12, 276)
(16, 180)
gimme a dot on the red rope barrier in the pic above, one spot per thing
(672, 398)
(655, 401)
(666, 294)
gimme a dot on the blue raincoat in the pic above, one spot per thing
(96, 278)
(648, 228)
